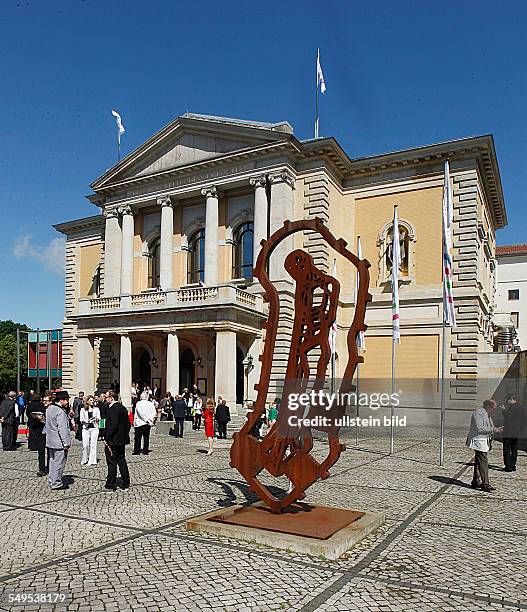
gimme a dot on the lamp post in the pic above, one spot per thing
(247, 366)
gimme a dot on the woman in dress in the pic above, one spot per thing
(89, 418)
(208, 419)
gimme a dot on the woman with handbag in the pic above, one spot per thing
(89, 420)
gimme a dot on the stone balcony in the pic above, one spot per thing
(171, 300)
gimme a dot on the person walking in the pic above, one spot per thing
(179, 409)
(223, 416)
(144, 418)
(89, 421)
(58, 439)
(117, 436)
(513, 425)
(197, 409)
(479, 439)
(208, 419)
(21, 401)
(36, 420)
(8, 417)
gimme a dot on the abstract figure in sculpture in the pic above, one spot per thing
(285, 450)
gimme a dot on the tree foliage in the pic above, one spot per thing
(8, 356)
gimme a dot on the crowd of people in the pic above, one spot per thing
(53, 423)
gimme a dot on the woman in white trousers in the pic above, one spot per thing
(89, 418)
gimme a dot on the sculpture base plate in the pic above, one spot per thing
(313, 530)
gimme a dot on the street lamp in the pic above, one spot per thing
(248, 367)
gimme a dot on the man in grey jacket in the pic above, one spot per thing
(478, 439)
(58, 439)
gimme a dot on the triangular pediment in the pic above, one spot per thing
(190, 139)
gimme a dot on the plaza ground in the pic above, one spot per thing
(444, 546)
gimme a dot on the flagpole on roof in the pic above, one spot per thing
(120, 130)
(320, 83)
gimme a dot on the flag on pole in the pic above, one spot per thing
(321, 83)
(333, 331)
(120, 126)
(361, 340)
(396, 263)
(448, 296)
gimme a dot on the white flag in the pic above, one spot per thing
(120, 126)
(333, 331)
(361, 340)
(396, 262)
(320, 75)
(448, 295)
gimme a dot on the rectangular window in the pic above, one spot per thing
(514, 294)
(515, 316)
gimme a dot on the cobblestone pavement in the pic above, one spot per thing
(443, 547)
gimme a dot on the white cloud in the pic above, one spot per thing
(51, 255)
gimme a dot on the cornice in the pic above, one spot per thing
(70, 227)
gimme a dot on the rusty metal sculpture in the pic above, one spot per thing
(284, 452)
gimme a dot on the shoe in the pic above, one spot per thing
(514, 468)
(146, 452)
(84, 463)
(134, 453)
(487, 488)
(41, 473)
(110, 488)
(62, 488)
(475, 485)
(508, 469)
(123, 487)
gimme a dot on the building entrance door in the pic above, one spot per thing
(186, 369)
(145, 372)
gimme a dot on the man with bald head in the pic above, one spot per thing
(9, 418)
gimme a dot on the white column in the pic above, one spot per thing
(260, 213)
(125, 370)
(112, 254)
(282, 209)
(211, 236)
(166, 244)
(127, 252)
(172, 363)
(225, 374)
(85, 366)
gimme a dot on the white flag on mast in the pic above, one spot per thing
(361, 340)
(120, 126)
(321, 83)
(396, 263)
(448, 295)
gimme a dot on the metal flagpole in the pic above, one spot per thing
(38, 361)
(118, 145)
(316, 97)
(333, 340)
(18, 360)
(48, 359)
(443, 357)
(392, 441)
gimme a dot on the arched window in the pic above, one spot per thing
(153, 264)
(242, 251)
(196, 257)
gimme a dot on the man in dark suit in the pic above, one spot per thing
(8, 416)
(223, 416)
(179, 410)
(117, 436)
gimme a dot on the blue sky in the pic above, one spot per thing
(399, 74)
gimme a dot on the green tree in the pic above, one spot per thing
(8, 356)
